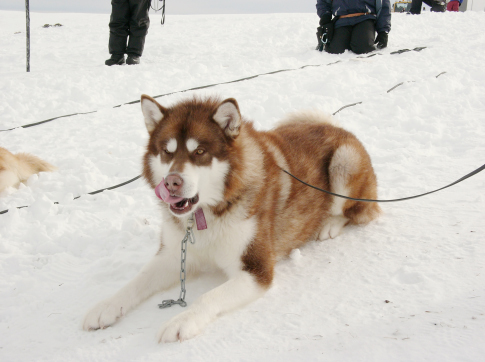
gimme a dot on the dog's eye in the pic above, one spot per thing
(199, 151)
(168, 152)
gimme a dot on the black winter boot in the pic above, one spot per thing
(439, 7)
(132, 59)
(116, 59)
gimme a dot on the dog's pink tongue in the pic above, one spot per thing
(163, 194)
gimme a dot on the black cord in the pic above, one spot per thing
(157, 8)
(213, 85)
(393, 200)
(89, 193)
(112, 187)
(307, 184)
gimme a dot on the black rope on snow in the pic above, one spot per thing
(112, 187)
(243, 79)
(348, 105)
(47, 120)
(89, 193)
(397, 85)
(480, 169)
(209, 86)
(417, 49)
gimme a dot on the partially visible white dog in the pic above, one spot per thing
(17, 168)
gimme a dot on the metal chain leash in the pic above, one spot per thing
(189, 236)
(155, 6)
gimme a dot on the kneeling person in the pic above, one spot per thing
(353, 26)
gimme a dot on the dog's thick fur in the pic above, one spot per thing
(17, 168)
(207, 154)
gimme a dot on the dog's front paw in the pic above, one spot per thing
(103, 315)
(183, 326)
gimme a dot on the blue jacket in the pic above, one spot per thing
(380, 10)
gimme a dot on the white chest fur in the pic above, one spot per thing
(220, 246)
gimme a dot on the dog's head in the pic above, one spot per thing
(189, 150)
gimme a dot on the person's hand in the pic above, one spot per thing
(381, 40)
(328, 29)
(324, 31)
(325, 19)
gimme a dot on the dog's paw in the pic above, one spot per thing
(333, 227)
(182, 327)
(103, 315)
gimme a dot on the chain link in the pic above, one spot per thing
(189, 236)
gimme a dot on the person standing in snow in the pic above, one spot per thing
(354, 25)
(128, 27)
(454, 5)
(438, 6)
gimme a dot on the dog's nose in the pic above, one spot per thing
(173, 183)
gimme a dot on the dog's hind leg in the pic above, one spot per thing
(345, 162)
(350, 174)
(160, 273)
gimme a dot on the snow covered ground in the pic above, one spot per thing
(408, 287)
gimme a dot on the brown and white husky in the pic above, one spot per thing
(17, 168)
(204, 158)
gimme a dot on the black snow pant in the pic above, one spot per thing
(358, 38)
(436, 5)
(128, 26)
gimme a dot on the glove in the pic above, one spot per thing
(324, 31)
(381, 40)
(325, 19)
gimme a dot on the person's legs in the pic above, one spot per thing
(453, 6)
(139, 23)
(118, 27)
(340, 41)
(362, 37)
(416, 6)
(449, 6)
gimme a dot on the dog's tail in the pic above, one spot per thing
(18, 168)
(34, 163)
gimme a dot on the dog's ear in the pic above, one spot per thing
(229, 117)
(152, 111)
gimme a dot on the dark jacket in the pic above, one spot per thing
(380, 10)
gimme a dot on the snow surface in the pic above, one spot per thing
(408, 287)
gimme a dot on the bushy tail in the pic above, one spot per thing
(18, 168)
(34, 163)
